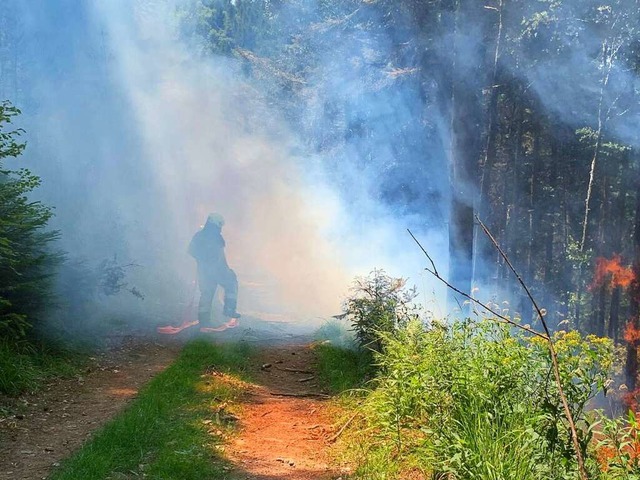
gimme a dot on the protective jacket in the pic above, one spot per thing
(207, 247)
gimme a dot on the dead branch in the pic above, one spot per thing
(552, 353)
(295, 370)
(330, 23)
(335, 436)
(268, 66)
(300, 395)
(433, 265)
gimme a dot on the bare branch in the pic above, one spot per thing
(511, 267)
(498, 316)
(475, 301)
(425, 252)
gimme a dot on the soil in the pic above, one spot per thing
(284, 420)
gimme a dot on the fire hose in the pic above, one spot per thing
(188, 318)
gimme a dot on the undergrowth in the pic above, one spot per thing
(340, 364)
(25, 366)
(475, 399)
(342, 369)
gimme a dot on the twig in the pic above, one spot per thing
(479, 303)
(295, 370)
(552, 352)
(433, 265)
(335, 436)
(306, 379)
(300, 395)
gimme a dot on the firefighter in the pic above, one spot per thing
(207, 247)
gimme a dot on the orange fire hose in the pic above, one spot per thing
(187, 320)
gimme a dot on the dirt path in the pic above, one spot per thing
(280, 436)
(283, 436)
(49, 426)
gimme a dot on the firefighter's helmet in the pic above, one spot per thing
(216, 219)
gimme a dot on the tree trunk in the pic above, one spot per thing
(614, 315)
(466, 149)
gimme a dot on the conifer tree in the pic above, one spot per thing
(26, 260)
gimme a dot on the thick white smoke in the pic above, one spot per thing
(210, 143)
(137, 139)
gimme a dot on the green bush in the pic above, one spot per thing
(476, 400)
(379, 306)
(26, 261)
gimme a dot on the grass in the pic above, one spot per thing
(341, 364)
(342, 369)
(25, 366)
(173, 428)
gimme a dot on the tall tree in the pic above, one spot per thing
(468, 80)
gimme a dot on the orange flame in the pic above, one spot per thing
(631, 333)
(612, 273)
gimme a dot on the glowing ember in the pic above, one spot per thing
(612, 272)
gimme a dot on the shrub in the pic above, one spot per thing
(378, 306)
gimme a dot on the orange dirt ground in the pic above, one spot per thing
(282, 436)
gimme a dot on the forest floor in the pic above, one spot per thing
(284, 425)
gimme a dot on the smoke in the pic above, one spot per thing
(577, 52)
(138, 139)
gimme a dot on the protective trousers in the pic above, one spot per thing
(208, 286)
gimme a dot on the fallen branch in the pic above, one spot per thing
(335, 436)
(300, 395)
(552, 352)
(294, 370)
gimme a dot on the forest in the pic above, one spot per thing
(510, 129)
(526, 110)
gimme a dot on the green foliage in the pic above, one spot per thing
(112, 278)
(337, 334)
(26, 262)
(618, 448)
(379, 305)
(475, 400)
(341, 365)
(221, 26)
(342, 369)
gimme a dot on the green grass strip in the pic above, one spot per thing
(25, 367)
(170, 431)
(342, 369)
